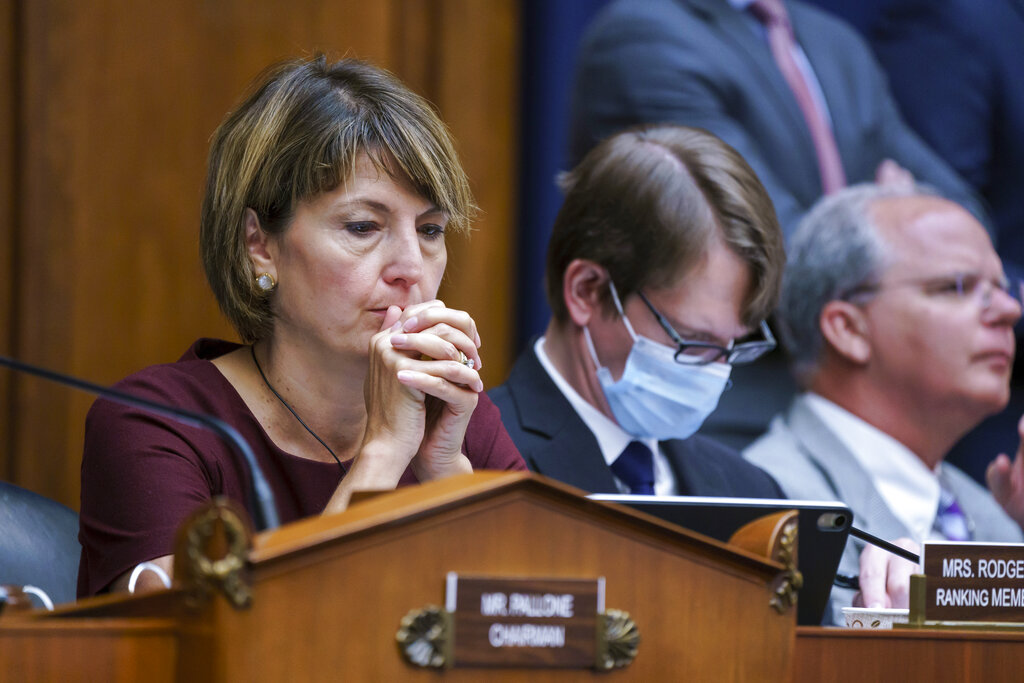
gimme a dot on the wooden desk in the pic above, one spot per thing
(328, 595)
(839, 654)
(89, 650)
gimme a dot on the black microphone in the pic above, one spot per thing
(847, 581)
(265, 513)
(885, 545)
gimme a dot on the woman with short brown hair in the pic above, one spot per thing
(329, 194)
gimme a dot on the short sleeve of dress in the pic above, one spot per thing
(141, 475)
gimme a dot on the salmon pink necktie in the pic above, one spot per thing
(772, 13)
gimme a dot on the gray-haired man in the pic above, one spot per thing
(899, 319)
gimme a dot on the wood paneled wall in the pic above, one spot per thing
(8, 108)
(115, 104)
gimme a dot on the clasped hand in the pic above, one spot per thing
(419, 395)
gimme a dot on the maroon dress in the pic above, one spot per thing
(142, 474)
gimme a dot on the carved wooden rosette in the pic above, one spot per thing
(775, 537)
(618, 640)
(425, 637)
(212, 552)
(792, 580)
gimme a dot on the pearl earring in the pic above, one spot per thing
(266, 282)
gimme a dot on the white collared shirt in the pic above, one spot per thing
(907, 485)
(611, 438)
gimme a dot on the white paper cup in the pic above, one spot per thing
(865, 617)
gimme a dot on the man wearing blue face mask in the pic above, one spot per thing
(663, 263)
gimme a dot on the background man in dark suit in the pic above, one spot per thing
(664, 254)
(708, 63)
(954, 69)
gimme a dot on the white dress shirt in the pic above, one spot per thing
(611, 438)
(907, 485)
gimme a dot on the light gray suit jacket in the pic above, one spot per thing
(809, 462)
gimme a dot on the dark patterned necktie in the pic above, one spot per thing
(635, 468)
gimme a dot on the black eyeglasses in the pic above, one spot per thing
(702, 353)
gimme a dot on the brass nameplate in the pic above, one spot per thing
(974, 581)
(520, 622)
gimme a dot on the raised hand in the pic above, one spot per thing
(1006, 480)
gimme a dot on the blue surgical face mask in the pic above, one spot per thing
(656, 396)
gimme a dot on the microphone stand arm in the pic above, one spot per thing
(265, 516)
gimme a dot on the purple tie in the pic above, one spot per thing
(951, 521)
(635, 468)
(772, 13)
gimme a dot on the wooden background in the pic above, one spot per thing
(107, 110)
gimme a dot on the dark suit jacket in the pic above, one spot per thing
(702, 63)
(955, 68)
(555, 442)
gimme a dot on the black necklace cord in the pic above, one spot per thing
(252, 349)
